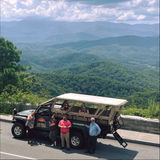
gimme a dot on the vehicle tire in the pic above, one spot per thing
(18, 130)
(76, 140)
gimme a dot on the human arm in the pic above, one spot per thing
(86, 125)
(98, 130)
(69, 124)
(29, 117)
(60, 125)
(52, 123)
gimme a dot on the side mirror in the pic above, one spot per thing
(14, 112)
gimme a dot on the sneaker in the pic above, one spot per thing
(62, 147)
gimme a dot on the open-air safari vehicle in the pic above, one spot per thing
(106, 112)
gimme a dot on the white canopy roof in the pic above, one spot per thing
(92, 99)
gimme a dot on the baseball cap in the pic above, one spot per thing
(92, 119)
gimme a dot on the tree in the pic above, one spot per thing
(9, 64)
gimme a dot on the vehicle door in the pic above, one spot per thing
(42, 118)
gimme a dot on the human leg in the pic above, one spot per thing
(62, 140)
(67, 140)
(54, 137)
(51, 137)
(30, 135)
(89, 145)
(94, 141)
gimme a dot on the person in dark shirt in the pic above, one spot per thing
(66, 106)
(53, 130)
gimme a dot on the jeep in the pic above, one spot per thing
(105, 110)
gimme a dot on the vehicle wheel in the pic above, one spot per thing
(76, 140)
(18, 130)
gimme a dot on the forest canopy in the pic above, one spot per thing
(94, 77)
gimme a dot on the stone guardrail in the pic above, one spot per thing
(140, 124)
(127, 122)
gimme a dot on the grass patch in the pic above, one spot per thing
(5, 114)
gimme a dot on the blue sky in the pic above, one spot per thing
(118, 11)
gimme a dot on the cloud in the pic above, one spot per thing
(151, 9)
(11, 2)
(121, 11)
(98, 2)
(27, 2)
(140, 17)
(127, 15)
(151, 2)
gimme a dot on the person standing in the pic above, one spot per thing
(94, 131)
(65, 126)
(30, 126)
(53, 130)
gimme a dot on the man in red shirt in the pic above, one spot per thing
(64, 125)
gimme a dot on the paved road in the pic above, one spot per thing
(11, 148)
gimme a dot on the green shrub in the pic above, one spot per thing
(153, 111)
(12, 98)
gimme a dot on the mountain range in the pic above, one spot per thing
(31, 30)
(99, 58)
(131, 51)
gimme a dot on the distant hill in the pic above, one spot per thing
(57, 84)
(108, 69)
(128, 40)
(58, 32)
(103, 78)
(132, 51)
(68, 60)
